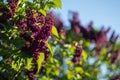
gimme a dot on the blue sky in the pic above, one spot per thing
(102, 12)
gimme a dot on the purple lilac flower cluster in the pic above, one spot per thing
(116, 77)
(110, 46)
(40, 27)
(98, 37)
(115, 56)
(89, 32)
(40, 18)
(6, 14)
(78, 54)
(13, 5)
(113, 38)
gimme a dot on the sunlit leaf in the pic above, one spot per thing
(70, 63)
(70, 75)
(56, 72)
(79, 70)
(62, 36)
(29, 63)
(58, 3)
(50, 48)
(87, 74)
(16, 65)
(54, 31)
(84, 55)
(104, 51)
(43, 12)
(44, 78)
(40, 60)
(113, 67)
(87, 44)
(51, 60)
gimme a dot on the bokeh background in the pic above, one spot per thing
(101, 12)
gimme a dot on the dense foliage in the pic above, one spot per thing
(35, 44)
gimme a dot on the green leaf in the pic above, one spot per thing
(84, 55)
(50, 48)
(79, 70)
(87, 74)
(58, 3)
(54, 31)
(70, 63)
(29, 63)
(104, 51)
(43, 12)
(40, 60)
(87, 44)
(16, 65)
(18, 42)
(51, 59)
(49, 5)
(70, 75)
(62, 36)
(56, 72)
(44, 78)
